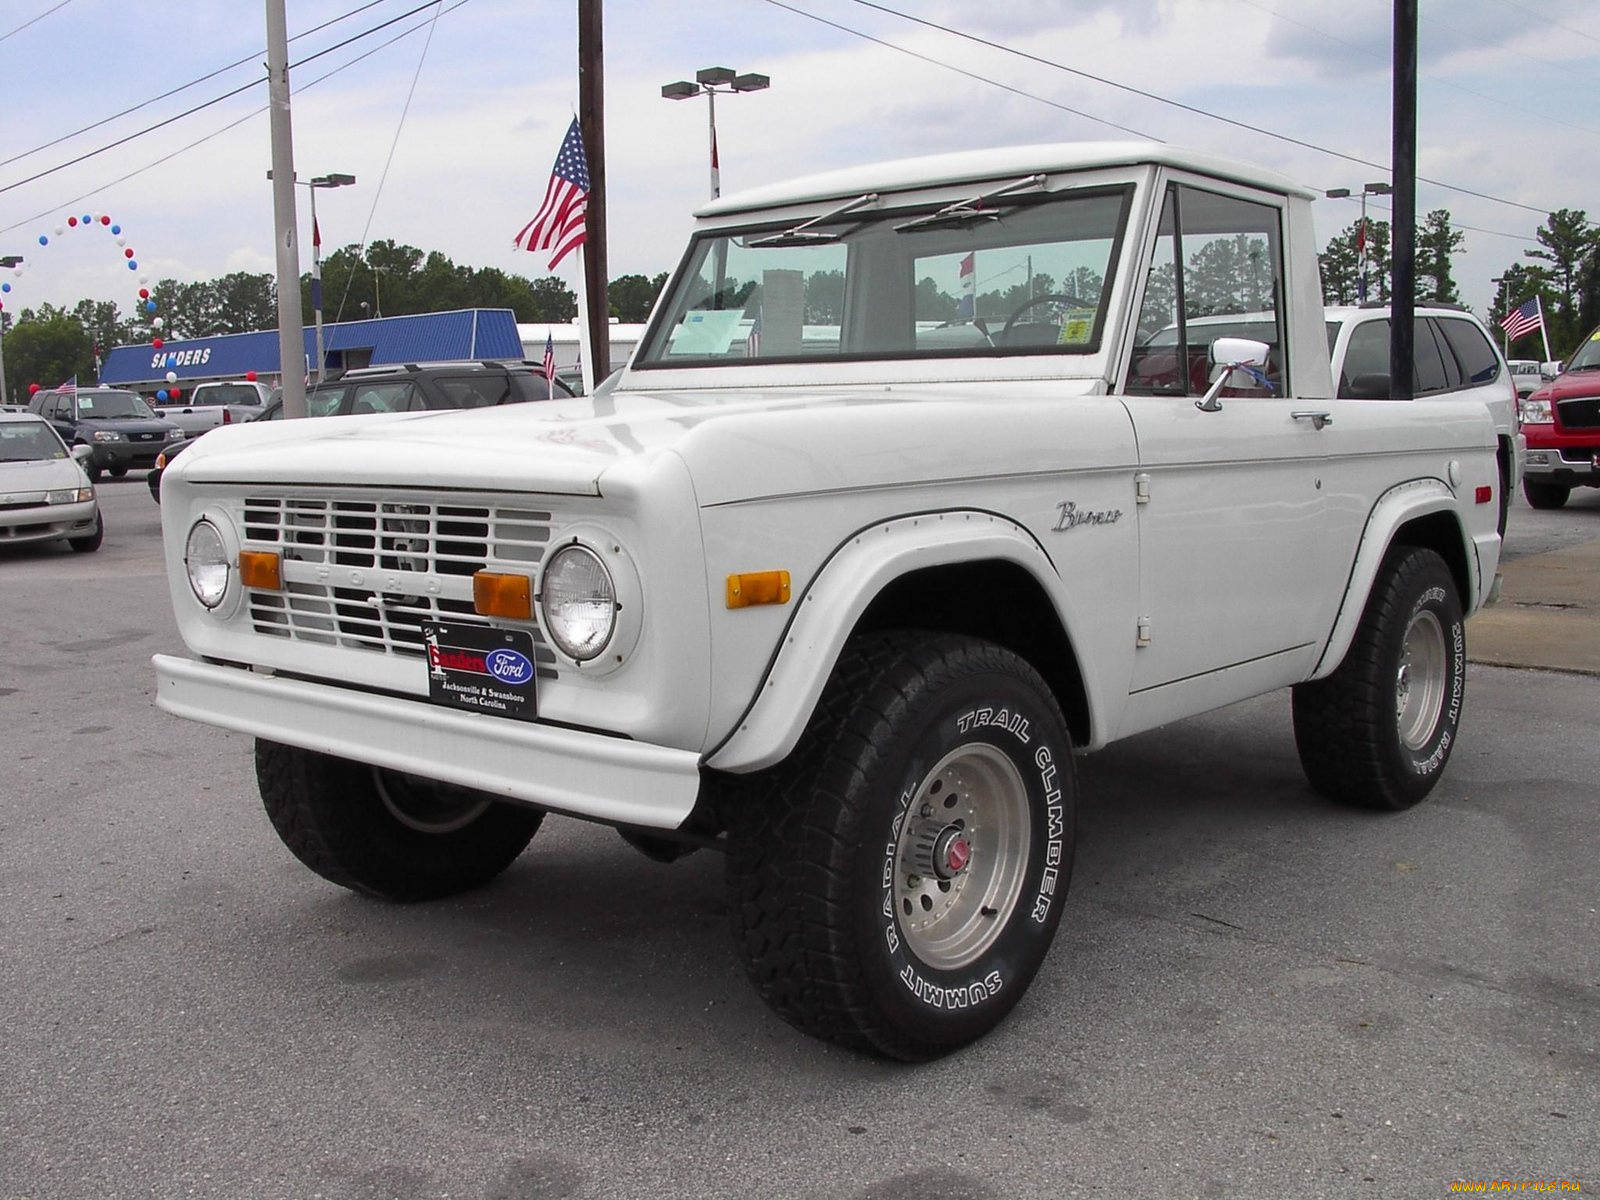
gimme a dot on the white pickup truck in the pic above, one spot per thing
(898, 507)
(209, 405)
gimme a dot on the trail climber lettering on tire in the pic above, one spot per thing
(1054, 829)
(1014, 723)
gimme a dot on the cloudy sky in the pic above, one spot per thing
(451, 128)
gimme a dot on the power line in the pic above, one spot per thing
(34, 20)
(181, 88)
(1533, 12)
(75, 200)
(209, 103)
(1189, 108)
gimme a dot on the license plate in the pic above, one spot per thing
(482, 669)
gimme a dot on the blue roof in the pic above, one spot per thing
(469, 333)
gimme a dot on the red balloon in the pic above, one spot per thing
(128, 253)
(72, 220)
(32, 388)
(250, 375)
(175, 393)
(144, 293)
(105, 220)
(156, 343)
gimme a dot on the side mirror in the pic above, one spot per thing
(82, 453)
(1245, 356)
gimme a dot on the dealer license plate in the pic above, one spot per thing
(485, 670)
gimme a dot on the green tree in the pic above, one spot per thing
(1437, 242)
(47, 347)
(243, 302)
(631, 296)
(1341, 264)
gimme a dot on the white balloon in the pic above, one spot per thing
(122, 241)
(157, 323)
(172, 377)
(59, 230)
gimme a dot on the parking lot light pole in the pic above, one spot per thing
(708, 82)
(6, 260)
(1367, 189)
(321, 181)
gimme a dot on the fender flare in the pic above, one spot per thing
(833, 603)
(1400, 504)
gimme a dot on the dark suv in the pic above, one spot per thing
(411, 387)
(117, 426)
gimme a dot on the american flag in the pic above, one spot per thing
(560, 226)
(549, 359)
(69, 388)
(752, 344)
(1524, 318)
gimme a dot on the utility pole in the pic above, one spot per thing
(592, 126)
(6, 260)
(1403, 236)
(291, 323)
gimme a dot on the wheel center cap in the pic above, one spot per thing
(951, 854)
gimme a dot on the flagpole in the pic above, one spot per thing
(1544, 333)
(585, 361)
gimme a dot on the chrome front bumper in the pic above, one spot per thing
(564, 770)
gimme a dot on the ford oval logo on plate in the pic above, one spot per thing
(509, 666)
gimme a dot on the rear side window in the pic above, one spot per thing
(1479, 362)
(1436, 366)
(1365, 372)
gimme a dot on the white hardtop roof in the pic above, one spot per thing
(998, 165)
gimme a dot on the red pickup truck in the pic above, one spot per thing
(1562, 423)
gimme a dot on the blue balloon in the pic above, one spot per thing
(116, 229)
(149, 306)
(132, 265)
(162, 394)
(87, 219)
(43, 241)
(5, 287)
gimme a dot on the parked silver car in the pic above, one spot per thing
(45, 493)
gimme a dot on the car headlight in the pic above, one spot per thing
(579, 602)
(108, 435)
(69, 496)
(177, 435)
(1536, 411)
(205, 557)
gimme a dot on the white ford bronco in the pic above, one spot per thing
(900, 504)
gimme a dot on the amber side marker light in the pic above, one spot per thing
(758, 587)
(261, 569)
(497, 595)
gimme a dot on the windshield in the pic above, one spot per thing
(29, 441)
(1587, 357)
(111, 405)
(1019, 275)
(227, 393)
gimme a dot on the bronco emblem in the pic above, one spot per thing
(1072, 516)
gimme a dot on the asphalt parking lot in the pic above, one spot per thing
(1253, 994)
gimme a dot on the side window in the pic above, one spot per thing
(475, 391)
(1478, 360)
(1217, 271)
(1431, 373)
(1364, 374)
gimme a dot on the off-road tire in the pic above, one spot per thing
(837, 936)
(1378, 732)
(118, 472)
(1545, 495)
(393, 836)
(90, 542)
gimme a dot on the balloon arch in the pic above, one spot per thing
(146, 303)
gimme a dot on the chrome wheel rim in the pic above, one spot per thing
(961, 856)
(426, 805)
(1420, 681)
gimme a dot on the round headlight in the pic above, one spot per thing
(206, 559)
(579, 602)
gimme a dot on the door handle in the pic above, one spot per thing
(1317, 419)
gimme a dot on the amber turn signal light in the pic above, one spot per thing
(261, 569)
(758, 587)
(498, 595)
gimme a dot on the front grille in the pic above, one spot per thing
(1580, 414)
(424, 537)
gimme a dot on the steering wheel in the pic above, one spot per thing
(1012, 328)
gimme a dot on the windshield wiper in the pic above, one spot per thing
(803, 235)
(971, 209)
